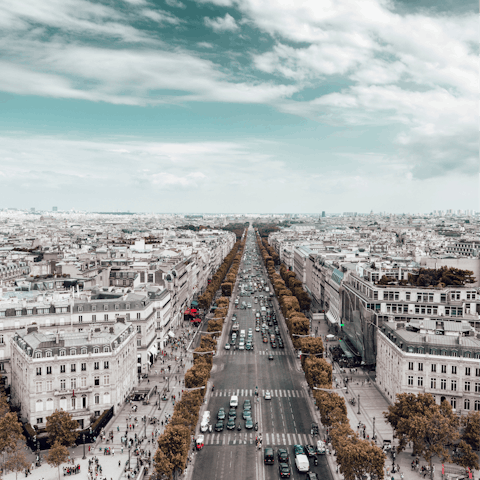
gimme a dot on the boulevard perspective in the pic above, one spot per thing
(328, 347)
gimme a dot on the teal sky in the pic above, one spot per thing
(239, 106)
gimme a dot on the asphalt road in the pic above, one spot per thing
(283, 421)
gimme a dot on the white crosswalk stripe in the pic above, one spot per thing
(250, 392)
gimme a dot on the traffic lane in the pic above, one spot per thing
(218, 462)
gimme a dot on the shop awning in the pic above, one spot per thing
(187, 312)
(346, 350)
(193, 311)
(171, 334)
(194, 303)
(330, 318)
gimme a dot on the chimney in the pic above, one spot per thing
(32, 328)
(111, 329)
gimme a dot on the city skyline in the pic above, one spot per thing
(227, 106)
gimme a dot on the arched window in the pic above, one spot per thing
(73, 351)
(48, 353)
(96, 350)
(49, 404)
(63, 353)
(106, 349)
(63, 403)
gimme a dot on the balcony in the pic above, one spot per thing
(69, 392)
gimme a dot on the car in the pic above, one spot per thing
(265, 340)
(310, 450)
(257, 328)
(270, 356)
(232, 413)
(219, 426)
(247, 402)
(267, 395)
(284, 470)
(282, 455)
(274, 345)
(249, 423)
(227, 346)
(221, 414)
(248, 346)
(247, 414)
(298, 450)
(241, 346)
(281, 345)
(231, 423)
(312, 476)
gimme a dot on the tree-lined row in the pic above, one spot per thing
(229, 284)
(174, 443)
(355, 456)
(206, 299)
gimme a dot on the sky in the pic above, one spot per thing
(234, 106)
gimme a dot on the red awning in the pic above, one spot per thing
(187, 312)
(193, 310)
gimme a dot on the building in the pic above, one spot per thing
(54, 209)
(465, 248)
(83, 373)
(430, 356)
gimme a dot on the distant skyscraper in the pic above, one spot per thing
(323, 213)
(54, 209)
(32, 210)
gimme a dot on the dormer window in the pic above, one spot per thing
(106, 349)
(96, 350)
(63, 353)
(84, 351)
(127, 306)
(105, 307)
(38, 354)
(80, 309)
(73, 351)
(48, 353)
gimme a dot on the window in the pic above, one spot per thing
(63, 353)
(477, 405)
(48, 354)
(454, 369)
(410, 365)
(420, 367)
(443, 383)
(96, 366)
(94, 318)
(38, 354)
(420, 381)
(80, 318)
(39, 406)
(105, 307)
(410, 380)
(40, 420)
(433, 383)
(444, 369)
(477, 372)
(62, 368)
(49, 387)
(39, 370)
(453, 402)
(477, 387)
(453, 385)
(466, 404)
(74, 403)
(467, 387)
(73, 383)
(139, 342)
(139, 315)
(106, 380)
(106, 365)
(97, 399)
(105, 317)
(38, 387)
(128, 316)
(467, 371)
(106, 349)
(80, 309)
(434, 367)
(49, 370)
(83, 382)
(139, 329)
(63, 383)
(73, 367)
(96, 381)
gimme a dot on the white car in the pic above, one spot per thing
(268, 395)
(227, 346)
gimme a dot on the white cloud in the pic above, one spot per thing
(218, 3)
(175, 4)
(161, 16)
(219, 24)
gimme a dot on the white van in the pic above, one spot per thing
(302, 463)
(242, 333)
(205, 421)
(234, 401)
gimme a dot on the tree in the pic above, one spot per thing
(175, 442)
(61, 428)
(16, 460)
(10, 432)
(430, 430)
(471, 431)
(4, 408)
(57, 455)
(318, 372)
(333, 409)
(466, 457)
(163, 466)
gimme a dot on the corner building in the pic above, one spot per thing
(83, 373)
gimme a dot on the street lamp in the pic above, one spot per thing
(129, 450)
(84, 457)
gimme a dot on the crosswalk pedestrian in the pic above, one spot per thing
(277, 439)
(250, 392)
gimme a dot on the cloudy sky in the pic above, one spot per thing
(239, 105)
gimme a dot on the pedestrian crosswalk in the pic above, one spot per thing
(257, 352)
(249, 392)
(248, 438)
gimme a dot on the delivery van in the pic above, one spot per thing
(302, 463)
(205, 421)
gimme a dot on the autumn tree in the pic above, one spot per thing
(430, 427)
(61, 428)
(471, 429)
(162, 464)
(16, 461)
(465, 456)
(332, 407)
(358, 458)
(174, 443)
(318, 372)
(57, 455)
(10, 432)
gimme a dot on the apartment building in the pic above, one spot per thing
(440, 357)
(83, 373)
